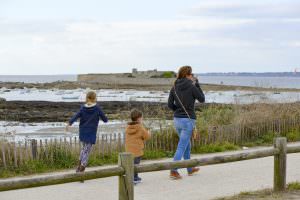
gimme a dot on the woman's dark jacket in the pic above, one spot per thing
(188, 94)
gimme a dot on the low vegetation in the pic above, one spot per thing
(61, 159)
(222, 128)
(292, 193)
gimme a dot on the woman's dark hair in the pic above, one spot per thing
(135, 115)
(184, 71)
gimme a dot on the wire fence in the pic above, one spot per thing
(164, 139)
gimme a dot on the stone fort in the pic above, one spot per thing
(149, 73)
(136, 77)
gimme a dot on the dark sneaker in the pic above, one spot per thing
(78, 166)
(175, 175)
(139, 179)
(81, 168)
(194, 170)
(136, 181)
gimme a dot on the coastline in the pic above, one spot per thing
(46, 111)
(68, 85)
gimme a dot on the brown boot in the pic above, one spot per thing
(175, 175)
(194, 170)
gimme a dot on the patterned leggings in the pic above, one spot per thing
(85, 152)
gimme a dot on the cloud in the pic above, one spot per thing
(294, 44)
(272, 23)
(264, 33)
(92, 43)
(246, 9)
(114, 37)
(217, 36)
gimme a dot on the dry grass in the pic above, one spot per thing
(262, 112)
(216, 115)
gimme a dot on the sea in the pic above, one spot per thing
(254, 81)
(37, 78)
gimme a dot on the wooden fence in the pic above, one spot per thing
(126, 169)
(165, 139)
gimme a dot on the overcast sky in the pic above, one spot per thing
(97, 36)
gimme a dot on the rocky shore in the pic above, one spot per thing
(42, 111)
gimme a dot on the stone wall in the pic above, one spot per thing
(149, 73)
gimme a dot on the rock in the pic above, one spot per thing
(2, 99)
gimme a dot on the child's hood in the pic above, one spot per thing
(133, 128)
(89, 107)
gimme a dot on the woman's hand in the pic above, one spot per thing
(195, 80)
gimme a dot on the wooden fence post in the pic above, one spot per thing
(15, 155)
(280, 164)
(126, 181)
(34, 149)
(3, 155)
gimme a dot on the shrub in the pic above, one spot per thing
(168, 75)
(293, 136)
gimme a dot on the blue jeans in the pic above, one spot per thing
(184, 128)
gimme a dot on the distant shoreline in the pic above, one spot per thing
(247, 74)
(69, 85)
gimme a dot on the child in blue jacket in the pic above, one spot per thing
(89, 114)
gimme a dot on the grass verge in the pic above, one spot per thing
(64, 160)
(292, 192)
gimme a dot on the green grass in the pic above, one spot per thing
(214, 148)
(264, 194)
(63, 160)
(293, 136)
(293, 186)
(268, 138)
(62, 163)
(211, 148)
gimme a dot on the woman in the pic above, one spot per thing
(184, 93)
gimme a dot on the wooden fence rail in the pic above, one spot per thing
(206, 161)
(126, 169)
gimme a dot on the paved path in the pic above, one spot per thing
(213, 181)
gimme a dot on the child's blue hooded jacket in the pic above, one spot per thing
(89, 119)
